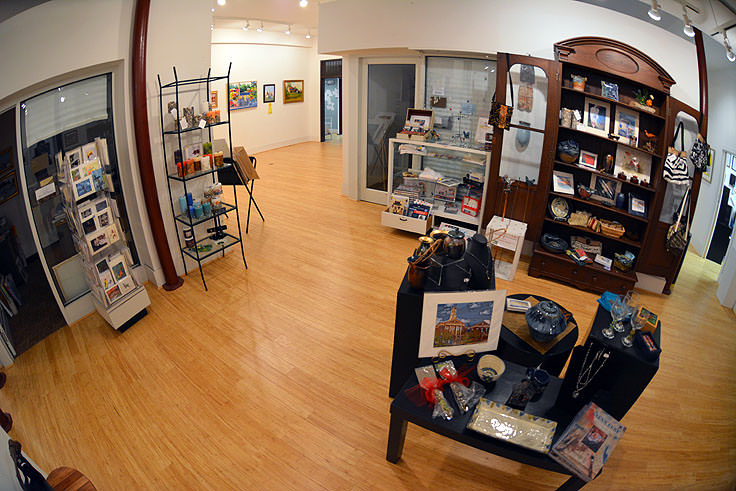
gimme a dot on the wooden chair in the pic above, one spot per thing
(68, 479)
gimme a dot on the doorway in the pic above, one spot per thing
(330, 99)
(388, 90)
(726, 211)
(29, 311)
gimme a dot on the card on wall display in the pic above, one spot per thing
(83, 188)
(104, 273)
(75, 157)
(98, 241)
(89, 152)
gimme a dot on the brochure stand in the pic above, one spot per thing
(93, 218)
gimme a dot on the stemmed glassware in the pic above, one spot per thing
(618, 313)
(632, 301)
(636, 324)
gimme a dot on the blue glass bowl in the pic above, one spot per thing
(546, 321)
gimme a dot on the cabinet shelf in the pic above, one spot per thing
(230, 240)
(586, 230)
(611, 101)
(649, 188)
(629, 276)
(600, 206)
(610, 140)
(197, 174)
(186, 220)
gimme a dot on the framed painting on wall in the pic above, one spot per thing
(293, 91)
(269, 93)
(243, 95)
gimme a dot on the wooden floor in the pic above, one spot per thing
(277, 378)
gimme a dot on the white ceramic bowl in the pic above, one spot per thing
(490, 368)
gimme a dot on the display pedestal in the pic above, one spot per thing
(509, 235)
(127, 312)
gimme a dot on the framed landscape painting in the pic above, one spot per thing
(457, 322)
(293, 91)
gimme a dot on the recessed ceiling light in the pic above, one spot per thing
(260, 28)
(212, 27)
(212, 9)
(308, 36)
(221, 3)
(303, 3)
(288, 30)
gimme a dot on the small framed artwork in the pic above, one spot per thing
(609, 90)
(597, 117)
(269, 92)
(588, 159)
(711, 158)
(6, 160)
(457, 322)
(293, 91)
(637, 206)
(213, 99)
(563, 182)
(627, 125)
(633, 163)
(604, 189)
(74, 157)
(98, 241)
(83, 188)
(8, 186)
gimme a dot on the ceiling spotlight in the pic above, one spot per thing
(212, 27)
(730, 55)
(303, 3)
(246, 26)
(688, 29)
(212, 9)
(654, 11)
(260, 28)
(288, 30)
(221, 3)
(308, 36)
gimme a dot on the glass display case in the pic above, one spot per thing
(434, 183)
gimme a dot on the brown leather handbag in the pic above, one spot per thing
(500, 115)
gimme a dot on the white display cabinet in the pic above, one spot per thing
(467, 165)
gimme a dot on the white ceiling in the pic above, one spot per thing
(275, 14)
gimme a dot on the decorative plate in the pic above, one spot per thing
(518, 427)
(559, 208)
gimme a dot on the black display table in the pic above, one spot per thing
(512, 347)
(404, 411)
(620, 383)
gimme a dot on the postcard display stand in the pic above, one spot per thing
(457, 199)
(207, 230)
(93, 219)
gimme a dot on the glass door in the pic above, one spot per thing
(518, 153)
(388, 91)
(331, 88)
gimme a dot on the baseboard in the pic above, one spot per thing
(284, 143)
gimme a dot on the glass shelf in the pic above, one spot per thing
(186, 220)
(194, 128)
(197, 174)
(230, 240)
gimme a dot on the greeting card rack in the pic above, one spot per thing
(93, 218)
(207, 240)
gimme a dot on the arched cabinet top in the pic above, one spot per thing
(615, 57)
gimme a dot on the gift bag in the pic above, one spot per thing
(676, 240)
(675, 165)
(500, 115)
(699, 153)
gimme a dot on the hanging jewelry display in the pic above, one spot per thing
(588, 372)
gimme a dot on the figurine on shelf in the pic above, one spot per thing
(643, 100)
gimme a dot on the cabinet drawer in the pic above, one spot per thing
(409, 224)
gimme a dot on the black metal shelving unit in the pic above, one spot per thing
(184, 219)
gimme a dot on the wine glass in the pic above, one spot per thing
(636, 324)
(619, 311)
(632, 300)
(608, 332)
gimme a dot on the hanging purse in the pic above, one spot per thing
(675, 165)
(500, 115)
(676, 240)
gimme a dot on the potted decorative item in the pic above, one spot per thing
(643, 100)
(578, 82)
(568, 151)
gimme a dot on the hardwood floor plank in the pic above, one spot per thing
(277, 378)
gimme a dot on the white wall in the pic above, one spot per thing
(64, 40)
(269, 58)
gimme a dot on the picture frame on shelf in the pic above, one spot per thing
(609, 90)
(293, 91)
(627, 125)
(457, 322)
(8, 186)
(633, 162)
(6, 160)
(596, 117)
(269, 93)
(563, 182)
(588, 159)
(605, 189)
(213, 99)
(637, 206)
(192, 151)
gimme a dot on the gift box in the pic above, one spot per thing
(471, 206)
(419, 122)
